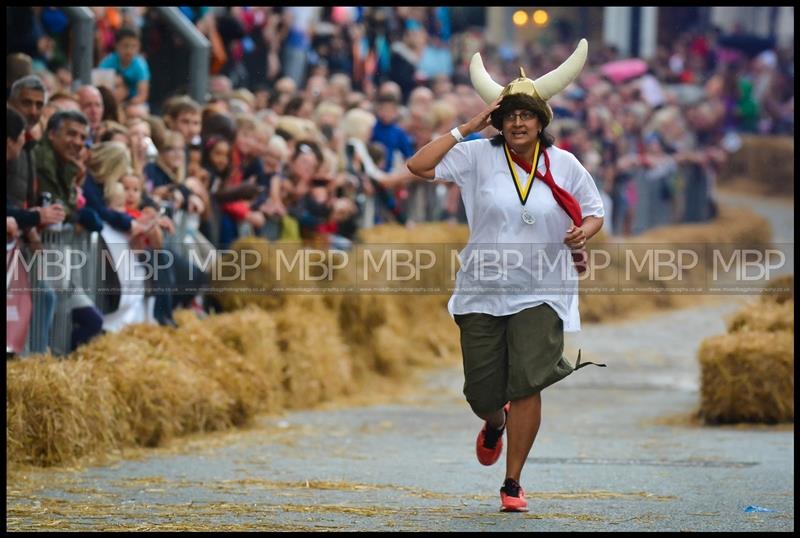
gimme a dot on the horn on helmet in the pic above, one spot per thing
(488, 89)
(559, 78)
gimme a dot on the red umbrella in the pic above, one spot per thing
(622, 70)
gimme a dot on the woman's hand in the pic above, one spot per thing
(575, 238)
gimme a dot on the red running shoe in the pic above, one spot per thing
(512, 497)
(489, 444)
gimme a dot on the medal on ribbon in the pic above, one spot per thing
(523, 190)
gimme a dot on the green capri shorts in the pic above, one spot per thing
(511, 357)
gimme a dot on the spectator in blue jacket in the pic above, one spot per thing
(388, 132)
(126, 61)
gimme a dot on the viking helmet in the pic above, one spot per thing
(541, 89)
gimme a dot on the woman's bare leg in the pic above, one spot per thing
(524, 418)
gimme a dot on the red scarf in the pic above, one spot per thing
(567, 202)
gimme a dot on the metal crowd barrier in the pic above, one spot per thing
(55, 282)
(71, 264)
(67, 265)
(187, 239)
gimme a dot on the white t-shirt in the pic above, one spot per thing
(509, 265)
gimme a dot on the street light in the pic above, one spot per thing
(520, 18)
(540, 17)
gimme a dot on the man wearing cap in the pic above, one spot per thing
(531, 206)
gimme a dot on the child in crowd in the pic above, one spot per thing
(130, 65)
(125, 196)
(115, 197)
(169, 169)
(138, 204)
(388, 132)
(133, 195)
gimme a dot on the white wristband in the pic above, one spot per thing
(457, 134)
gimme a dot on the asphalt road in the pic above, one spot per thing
(616, 451)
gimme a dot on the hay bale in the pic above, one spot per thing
(733, 229)
(281, 272)
(779, 290)
(742, 227)
(385, 333)
(252, 334)
(140, 386)
(596, 308)
(260, 283)
(747, 377)
(419, 234)
(164, 390)
(58, 411)
(359, 317)
(763, 162)
(748, 374)
(388, 334)
(418, 332)
(317, 366)
(200, 349)
(430, 327)
(763, 317)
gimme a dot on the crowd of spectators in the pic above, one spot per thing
(312, 112)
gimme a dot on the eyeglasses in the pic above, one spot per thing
(525, 115)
